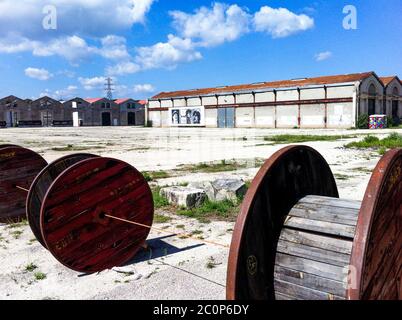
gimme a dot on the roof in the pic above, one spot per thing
(387, 80)
(142, 102)
(269, 85)
(122, 100)
(93, 100)
(46, 98)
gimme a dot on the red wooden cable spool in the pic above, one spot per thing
(18, 168)
(296, 240)
(72, 218)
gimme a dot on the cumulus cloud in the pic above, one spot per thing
(61, 94)
(322, 56)
(144, 88)
(167, 54)
(40, 74)
(281, 22)
(212, 26)
(92, 83)
(87, 18)
(122, 68)
(114, 48)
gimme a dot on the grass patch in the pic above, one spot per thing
(155, 175)
(40, 276)
(158, 218)
(221, 166)
(290, 138)
(223, 210)
(394, 140)
(16, 225)
(31, 267)
(159, 201)
(211, 264)
(342, 177)
(16, 234)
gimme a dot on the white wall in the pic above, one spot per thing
(265, 117)
(317, 93)
(287, 116)
(340, 92)
(226, 99)
(209, 101)
(154, 104)
(244, 117)
(211, 118)
(155, 118)
(312, 116)
(340, 115)
(179, 102)
(166, 103)
(244, 98)
(287, 95)
(194, 102)
(265, 97)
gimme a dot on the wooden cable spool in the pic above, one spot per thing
(68, 201)
(18, 169)
(295, 239)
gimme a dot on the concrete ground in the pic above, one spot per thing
(175, 268)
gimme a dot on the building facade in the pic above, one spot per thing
(322, 102)
(47, 112)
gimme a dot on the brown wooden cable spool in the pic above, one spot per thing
(18, 168)
(296, 240)
(67, 203)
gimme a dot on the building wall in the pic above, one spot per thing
(393, 93)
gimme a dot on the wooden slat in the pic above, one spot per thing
(317, 241)
(334, 202)
(316, 254)
(310, 281)
(283, 297)
(322, 227)
(309, 266)
(303, 293)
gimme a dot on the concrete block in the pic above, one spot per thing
(222, 189)
(184, 196)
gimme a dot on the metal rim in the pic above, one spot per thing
(32, 214)
(132, 196)
(383, 174)
(18, 168)
(248, 204)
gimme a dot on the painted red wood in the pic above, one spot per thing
(41, 185)
(72, 220)
(18, 167)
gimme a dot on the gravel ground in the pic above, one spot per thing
(174, 268)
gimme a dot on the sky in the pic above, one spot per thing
(67, 48)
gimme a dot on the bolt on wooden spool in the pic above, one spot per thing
(296, 240)
(68, 203)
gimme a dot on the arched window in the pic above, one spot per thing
(103, 105)
(372, 99)
(108, 105)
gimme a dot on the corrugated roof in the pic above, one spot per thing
(268, 85)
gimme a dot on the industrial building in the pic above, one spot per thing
(321, 102)
(46, 112)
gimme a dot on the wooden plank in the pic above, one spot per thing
(317, 241)
(313, 267)
(333, 202)
(283, 297)
(311, 253)
(335, 229)
(310, 281)
(303, 293)
(325, 213)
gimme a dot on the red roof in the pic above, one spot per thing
(142, 102)
(120, 101)
(387, 80)
(93, 100)
(268, 85)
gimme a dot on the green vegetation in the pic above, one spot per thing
(158, 218)
(289, 138)
(211, 264)
(226, 210)
(159, 201)
(20, 224)
(155, 175)
(363, 121)
(393, 141)
(39, 276)
(30, 267)
(222, 166)
(339, 176)
(16, 234)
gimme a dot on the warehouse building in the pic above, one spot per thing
(322, 102)
(47, 112)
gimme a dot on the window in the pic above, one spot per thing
(372, 100)
(103, 105)
(108, 105)
(395, 103)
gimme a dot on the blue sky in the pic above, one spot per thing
(149, 46)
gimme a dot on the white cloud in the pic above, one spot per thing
(92, 83)
(122, 68)
(322, 56)
(143, 88)
(62, 94)
(167, 54)
(85, 17)
(213, 26)
(40, 74)
(281, 22)
(114, 48)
